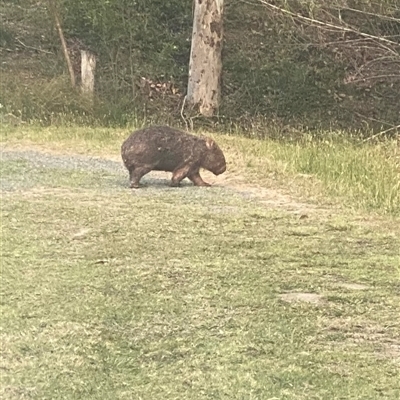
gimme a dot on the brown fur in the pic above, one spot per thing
(162, 148)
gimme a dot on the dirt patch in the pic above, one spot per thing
(391, 351)
(293, 297)
(271, 197)
(354, 286)
(359, 332)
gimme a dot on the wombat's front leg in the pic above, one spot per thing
(197, 180)
(179, 174)
(135, 174)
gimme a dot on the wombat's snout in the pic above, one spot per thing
(221, 170)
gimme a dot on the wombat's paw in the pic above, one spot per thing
(203, 184)
(134, 185)
(175, 184)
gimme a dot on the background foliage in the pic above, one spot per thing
(292, 64)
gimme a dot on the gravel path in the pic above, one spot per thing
(26, 169)
(69, 162)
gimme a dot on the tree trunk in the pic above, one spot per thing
(88, 66)
(205, 65)
(53, 10)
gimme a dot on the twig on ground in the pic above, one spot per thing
(381, 133)
(32, 48)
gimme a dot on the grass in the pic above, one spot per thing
(177, 293)
(362, 175)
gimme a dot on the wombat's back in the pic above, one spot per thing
(160, 146)
(160, 136)
(156, 133)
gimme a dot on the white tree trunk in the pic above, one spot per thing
(88, 66)
(205, 65)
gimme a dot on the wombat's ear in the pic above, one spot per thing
(210, 143)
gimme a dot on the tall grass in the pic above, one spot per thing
(368, 174)
(55, 102)
(365, 175)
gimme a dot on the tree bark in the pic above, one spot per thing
(88, 66)
(204, 88)
(54, 13)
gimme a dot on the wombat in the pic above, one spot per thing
(162, 148)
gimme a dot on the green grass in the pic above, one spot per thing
(176, 293)
(362, 175)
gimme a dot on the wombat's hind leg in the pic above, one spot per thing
(197, 180)
(135, 174)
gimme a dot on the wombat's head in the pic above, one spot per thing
(214, 159)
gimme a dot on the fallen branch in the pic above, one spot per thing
(369, 78)
(57, 23)
(382, 133)
(327, 24)
(385, 17)
(33, 48)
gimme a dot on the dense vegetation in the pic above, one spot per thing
(308, 64)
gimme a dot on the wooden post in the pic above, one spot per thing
(88, 66)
